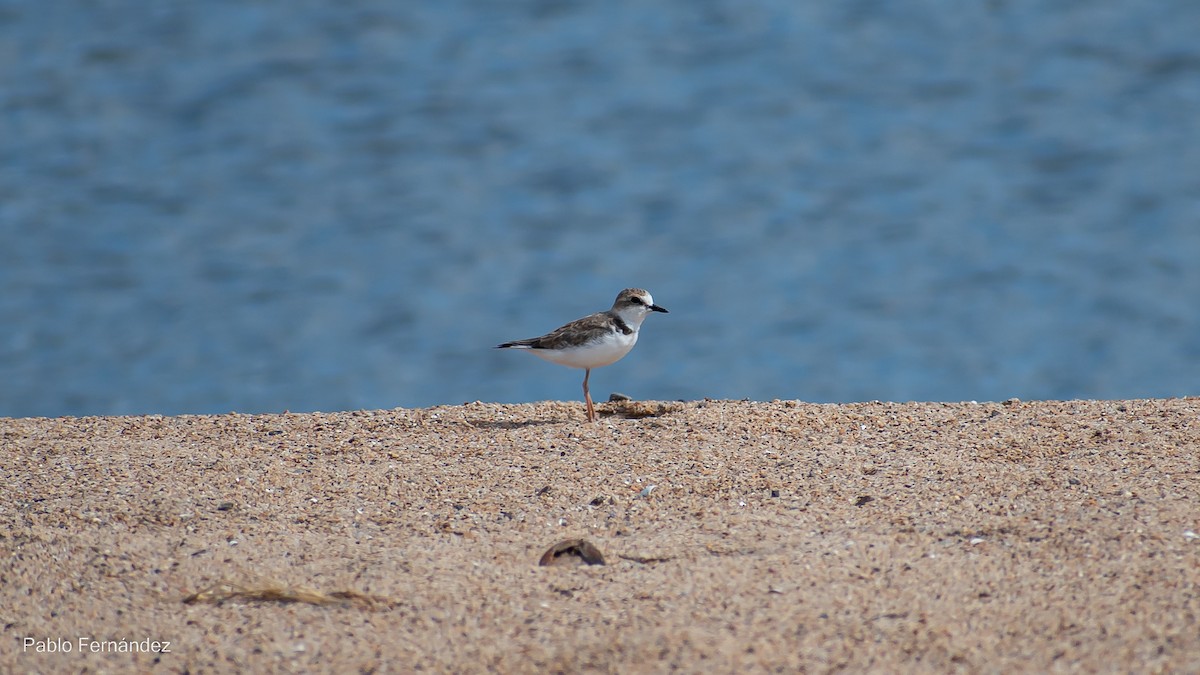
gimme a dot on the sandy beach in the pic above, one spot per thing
(737, 536)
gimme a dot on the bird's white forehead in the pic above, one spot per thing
(637, 293)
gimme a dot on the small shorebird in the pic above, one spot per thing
(595, 340)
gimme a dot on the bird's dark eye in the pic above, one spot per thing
(637, 300)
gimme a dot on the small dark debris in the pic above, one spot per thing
(863, 499)
(597, 501)
(572, 552)
(618, 396)
(774, 493)
(542, 492)
(225, 506)
(1073, 481)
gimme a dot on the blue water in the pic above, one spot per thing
(224, 206)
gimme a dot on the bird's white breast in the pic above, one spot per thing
(595, 354)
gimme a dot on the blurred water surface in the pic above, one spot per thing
(218, 205)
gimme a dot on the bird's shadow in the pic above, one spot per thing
(516, 424)
(476, 418)
(623, 413)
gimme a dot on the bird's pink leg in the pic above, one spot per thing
(587, 396)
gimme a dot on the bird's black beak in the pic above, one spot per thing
(656, 308)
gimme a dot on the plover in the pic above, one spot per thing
(595, 340)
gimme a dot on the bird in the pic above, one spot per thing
(595, 340)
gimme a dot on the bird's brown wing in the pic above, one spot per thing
(575, 334)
